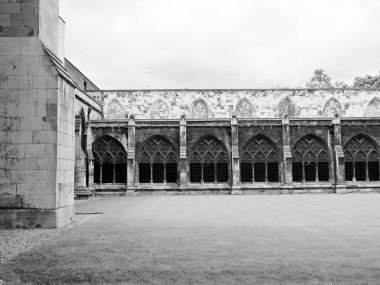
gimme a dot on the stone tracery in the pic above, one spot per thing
(310, 160)
(332, 107)
(373, 109)
(157, 149)
(160, 110)
(199, 110)
(244, 109)
(115, 110)
(361, 159)
(287, 106)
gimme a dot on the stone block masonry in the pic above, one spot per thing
(37, 136)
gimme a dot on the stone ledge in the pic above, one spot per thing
(36, 218)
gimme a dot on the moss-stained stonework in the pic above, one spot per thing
(300, 103)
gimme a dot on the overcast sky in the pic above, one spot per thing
(221, 43)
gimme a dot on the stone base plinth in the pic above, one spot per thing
(30, 218)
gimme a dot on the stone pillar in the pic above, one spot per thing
(131, 155)
(183, 164)
(80, 171)
(339, 154)
(90, 159)
(287, 153)
(235, 187)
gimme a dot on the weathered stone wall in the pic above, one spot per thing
(19, 18)
(36, 150)
(146, 104)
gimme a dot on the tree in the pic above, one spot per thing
(319, 80)
(341, 85)
(367, 81)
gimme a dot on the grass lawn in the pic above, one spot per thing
(281, 239)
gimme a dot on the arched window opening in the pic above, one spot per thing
(157, 161)
(259, 161)
(110, 161)
(310, 161)
(361, 160)
(209, 162)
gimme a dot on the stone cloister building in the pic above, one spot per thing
(62, 136)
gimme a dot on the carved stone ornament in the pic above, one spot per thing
(160, 110)
(373, 109)
(208, 150)
(109, 150)
(287, 106)
(199, 110)
(157, 150)
(244, 109)
(259, 149)
(310, 149)
(360, 148)
(115, 110)
(332, 108)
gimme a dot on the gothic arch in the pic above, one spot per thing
(262, 144)
(157, 149)
(311, 160)
(157, 160)
(107, 145)
(199, 109)
(332, 107)
(244, 109)
(209, 161)
(260, 160)
(373, 107)
(115, 109)
(287, 106)
(160, 109)
(110, 161)
(361, 154)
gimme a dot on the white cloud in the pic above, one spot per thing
(221, 43)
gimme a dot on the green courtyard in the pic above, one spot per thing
(263, 239)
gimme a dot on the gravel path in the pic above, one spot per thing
(14, 242)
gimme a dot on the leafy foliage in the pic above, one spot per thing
(367, 81)
(319, 80)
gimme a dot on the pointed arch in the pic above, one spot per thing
(373, 107)
(105, 146)
(287, 106)
(244, 109)
(160, 109)
(200, 109)
(362, 162)
(311, 160)
(260, 160)
(157, 147)
(110, 161)
(115, 109)
(209, 161)
(157, 160)
(332, 107)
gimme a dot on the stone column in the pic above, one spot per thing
(80, 187)
(339, 154)
(131, 155)
(235, 187)
(90, 159)
(287, 153)
(183, 164)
